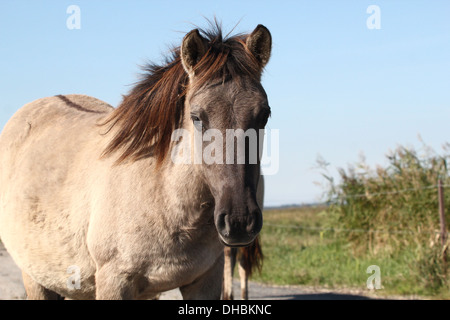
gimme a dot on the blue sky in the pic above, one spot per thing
(336, 88)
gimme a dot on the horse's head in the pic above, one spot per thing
(227, 105)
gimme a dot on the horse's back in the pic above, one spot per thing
(43, 145)
(51, 113)
(46, 136)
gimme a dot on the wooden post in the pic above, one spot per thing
(442, 220)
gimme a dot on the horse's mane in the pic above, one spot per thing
(154, 107)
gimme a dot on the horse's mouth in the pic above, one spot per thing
(234, 245)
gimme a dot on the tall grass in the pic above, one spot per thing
(395, 208)
(300, 249)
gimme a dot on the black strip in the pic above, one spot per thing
(74, 105)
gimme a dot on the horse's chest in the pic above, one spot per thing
(181, 268)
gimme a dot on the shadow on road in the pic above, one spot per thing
(322, 296)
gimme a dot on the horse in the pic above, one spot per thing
(250, 258)
(92, 205)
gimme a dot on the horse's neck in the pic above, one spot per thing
(178, 186)
(187, 184)
(188, 201)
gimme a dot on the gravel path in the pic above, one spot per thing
(11, 287)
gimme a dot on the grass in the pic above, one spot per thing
(313, 257)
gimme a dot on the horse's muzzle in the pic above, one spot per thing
(237, 230)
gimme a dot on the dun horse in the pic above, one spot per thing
(92, 205)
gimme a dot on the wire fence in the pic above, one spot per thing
(392, 192)
(367, 195)
(351, 230)
(355, 196)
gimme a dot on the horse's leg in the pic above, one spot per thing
(230, 262)
(243, 275)
(206, 287)
(113, 285)
(37, 292)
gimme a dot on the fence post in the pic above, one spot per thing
(442, 221)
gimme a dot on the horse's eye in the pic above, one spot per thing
(197, 122)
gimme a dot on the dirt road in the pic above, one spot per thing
(11, 287)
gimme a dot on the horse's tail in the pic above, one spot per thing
(251, 258)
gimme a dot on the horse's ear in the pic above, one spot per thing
(193, 48)
(259, 42)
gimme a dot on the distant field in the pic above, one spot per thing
(299, 252)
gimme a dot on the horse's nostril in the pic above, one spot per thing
(223, 224)
(254, 225)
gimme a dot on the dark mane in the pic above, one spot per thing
(147, 116)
